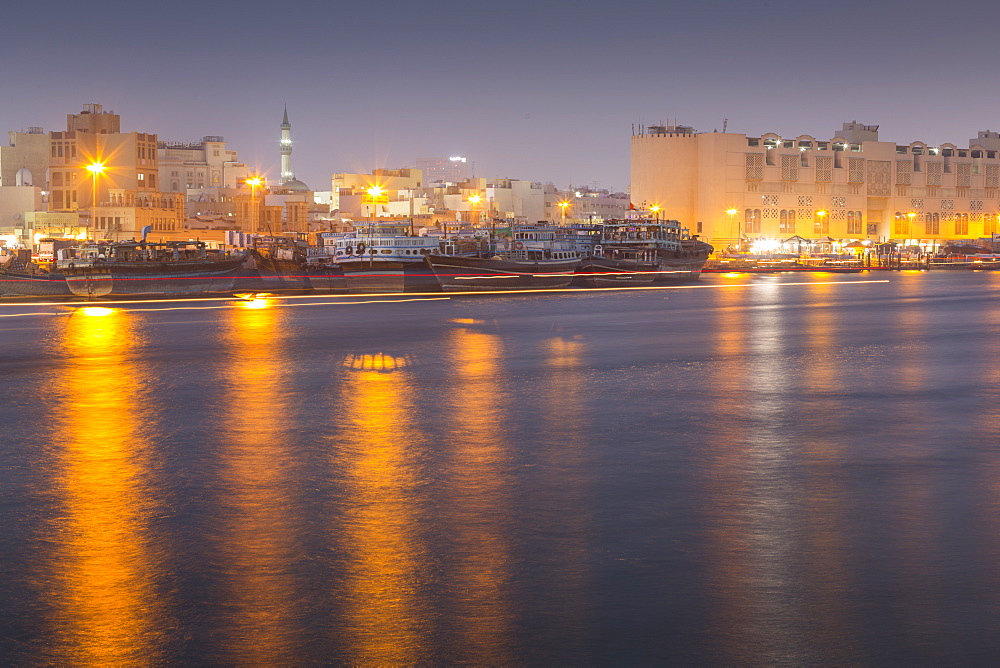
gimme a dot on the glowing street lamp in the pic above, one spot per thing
(562, 210)
(656, 211)
(732, 216)
(822, 217)
(909, 228)
(254, 182)
(375, 192)
(474, 200)
(95, 169)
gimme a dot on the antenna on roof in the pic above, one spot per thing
(725, 124)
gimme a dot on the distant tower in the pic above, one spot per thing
(286, 150)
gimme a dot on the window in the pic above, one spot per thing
(856, 148)
(933, 224)
(901, 225)
(990, 224)
(786, 221)
(753, 141)
(788, 143)
(854, 222)
(962, 224)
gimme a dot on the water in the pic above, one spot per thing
(769, 469)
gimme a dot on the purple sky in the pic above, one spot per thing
(543, 91)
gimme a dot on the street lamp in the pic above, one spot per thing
(732, 228)
(254, 182)
(474, 200)
(822, 217)
(95, 169)
(375, 192)
(656, 211)
(909, 228)
(562, 210)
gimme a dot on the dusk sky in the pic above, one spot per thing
(541, 91)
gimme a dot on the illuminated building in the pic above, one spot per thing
(453, 169)
(585, 204)
(94, 135)
(26, 161)
(730, 187)
(199, 165)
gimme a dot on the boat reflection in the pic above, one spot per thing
(479, 502)
(385, 613)
(104, 576)
(257, 545)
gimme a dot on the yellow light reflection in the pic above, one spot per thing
(385, 615)
(257, 531)
(97, 311)
(565, 492)
(107, 607)
(478, 476)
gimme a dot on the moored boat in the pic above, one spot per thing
(20, 277)
(640, 252)
(132, 268)
(385, 256)
(527, 257)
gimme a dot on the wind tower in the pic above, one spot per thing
(286, 150)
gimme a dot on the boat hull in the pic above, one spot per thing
(162, 279)
(367, 276)
(18, 284)
(599, 272)
(461, 274)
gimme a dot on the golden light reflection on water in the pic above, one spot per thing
(565, 492)
(386, 615)
(108, 608)
(480, 498)
(750, 533)
(825, 492)
(257, 543)
(910, 492)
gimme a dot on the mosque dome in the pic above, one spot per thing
(296, 186)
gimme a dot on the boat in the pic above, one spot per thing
(641, 252)
(133, 268)
(22, 277)
(280, 261)
(385, 256)
(522, 258)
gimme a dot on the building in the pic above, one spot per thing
(454, 169)
(740, 189)
(129, 160)
(26, 161)
(584, 205)
(186, 166)
(349, 192)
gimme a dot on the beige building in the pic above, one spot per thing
(733, 188)
(128, 211)
(199, 165)
(94, 136)
(25, 162)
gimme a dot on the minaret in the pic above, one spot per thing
(286, 150)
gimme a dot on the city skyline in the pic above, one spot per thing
(549, 94)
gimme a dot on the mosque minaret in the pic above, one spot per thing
(286, 150)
